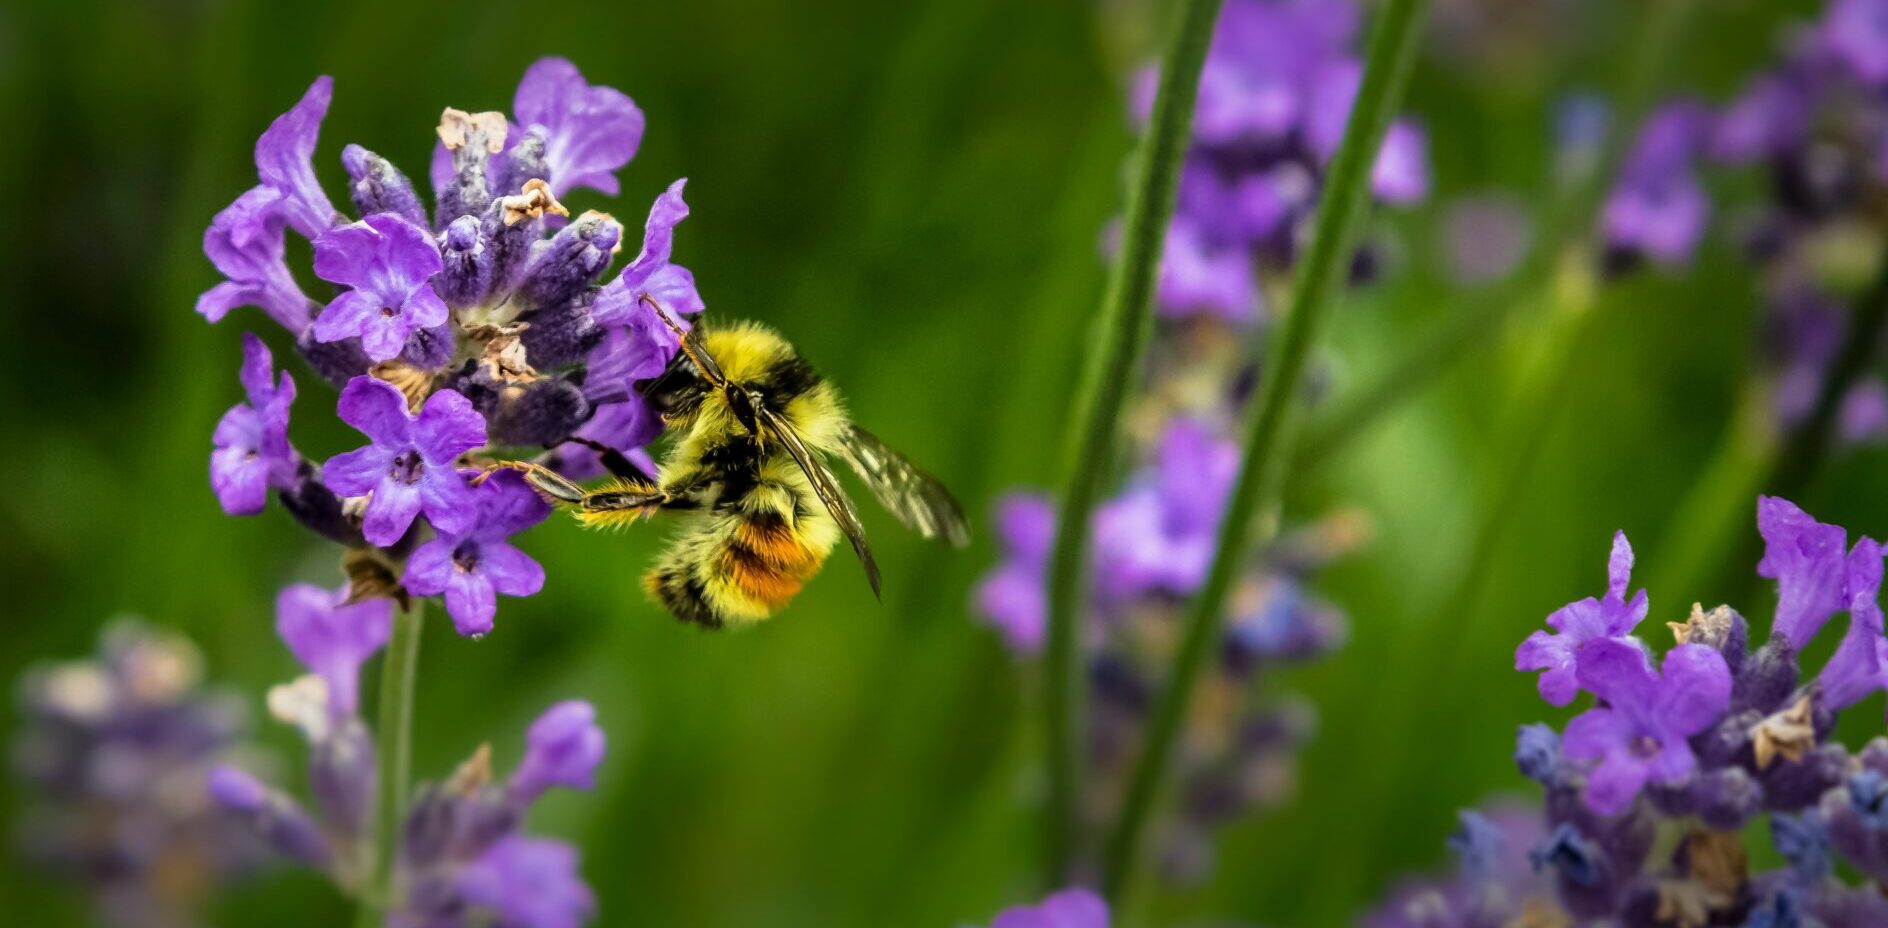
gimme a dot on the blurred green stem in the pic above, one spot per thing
(393, 755)
(1346, 194)
(1113, 367)
(1569, 218)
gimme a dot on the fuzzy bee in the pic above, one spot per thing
(753, 424)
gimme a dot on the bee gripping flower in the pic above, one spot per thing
(387, 262)
(332, 637)
(408, 466)
(471, 567)
(252, 453)
(1579, 623)
(1640, 734)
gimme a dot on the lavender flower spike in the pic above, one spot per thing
(1011, 597)
(332, 637)
(285, 160)
(1578, 623)
(1805, 558)
(1640, 734)
(471, 567)
(408, 466)
(387, 261)
(564, 747)
(589, 130)
(1070, 908)
(252, 452)
(283, 824)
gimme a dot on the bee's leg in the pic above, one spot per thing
(546, 481)
(616, 462)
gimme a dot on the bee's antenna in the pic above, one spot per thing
(708, 368)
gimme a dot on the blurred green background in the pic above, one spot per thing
(915, 193)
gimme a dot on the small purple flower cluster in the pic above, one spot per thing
(115, 750)
(479, 327)
(1274, 96)
(1813, 122)
(1679, 753)
(463, 859)
(1277, 86)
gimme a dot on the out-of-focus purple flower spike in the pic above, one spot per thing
(279, 821)
(332, 637)
(563, 748)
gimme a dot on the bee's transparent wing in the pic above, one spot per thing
(904, 489)
(827, 488)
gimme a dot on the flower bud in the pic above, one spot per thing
(379, 187)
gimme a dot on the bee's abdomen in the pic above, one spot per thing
(738, 567)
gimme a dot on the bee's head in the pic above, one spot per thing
(678, 391)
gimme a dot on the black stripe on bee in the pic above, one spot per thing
(685, 596)
(785, 382)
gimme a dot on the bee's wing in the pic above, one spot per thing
(826, 488)
(905, 490)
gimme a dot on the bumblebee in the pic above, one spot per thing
(752, 426)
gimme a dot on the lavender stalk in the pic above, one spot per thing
(1386, 74)
(1125, 326)
(393, 751)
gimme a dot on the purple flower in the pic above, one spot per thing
(1805, 558)
(1640, 733)
(651, 274)
(1160, 535)
(244, 242)
(1401, 172)
(1658, 207)
(1012, 596)
(387, 262)
(530, 883)
(1580, 623)
(471, 565)
(589, 130)
(1860, 665)
(1196, 277)
(285, 160)
(252, 451)
(1768, 118)
(562, 748)
(1070, 908)
(332, 637)
(1864, 414)
(408, 467)
(1856, 33)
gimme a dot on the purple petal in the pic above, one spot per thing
(285, 160)
(1806, 559)
(377, 409)
(1856, 31)
(447, 427)
(347, 316)
(450, 504)
(591, 130)
(471, 602)
(564, 746)
(357, 472)
(240, 480)
(508, 506)
(529, 882)
(430, 568)
(1619, 566)
(1618, 672)
(1069, 908)
(1611, 787)
(658, 232)
(1196, 277)
(331, 638)
(390, 512)
(1673, 762)
(383, 335)
(1012, 598)
(1693, 691)
(510, 571)
(1401, 172)
(1595, 733)
(1025, 525)
(258, 370)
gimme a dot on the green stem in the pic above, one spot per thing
(1569, 219)
(1268, 443)
(1125, 326)
(393, 754)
